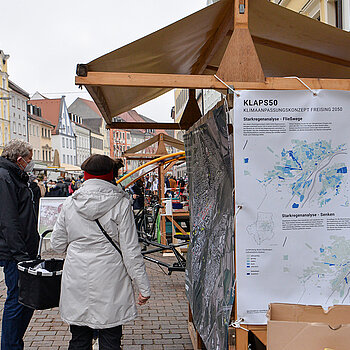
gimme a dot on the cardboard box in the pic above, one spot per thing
(306, 327)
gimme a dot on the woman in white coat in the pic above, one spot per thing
(96, 291)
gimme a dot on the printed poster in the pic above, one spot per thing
(49, 209)
(210, 258)
(292, 185)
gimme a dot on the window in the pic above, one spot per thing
(18, 103)
(46, 156)
(42, 132)
(37, 131)
(64, 158)
(43, 155)
(34, 154)
(23, 106)
(49, 156)
(13, 101)
(63, 142)
(24, 130)
(19, 129)
(75, 161)
(49, 133)
(70, 143)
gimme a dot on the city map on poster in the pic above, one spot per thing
(292, 161)
(49, 209)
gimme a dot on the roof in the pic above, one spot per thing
(16, 88)
(133, 116)
(85, 109)
(286, 43)
(50, 108)
(40, 119)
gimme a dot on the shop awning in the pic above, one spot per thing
(286, 44)
(71, 168)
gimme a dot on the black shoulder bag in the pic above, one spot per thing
(108, 237)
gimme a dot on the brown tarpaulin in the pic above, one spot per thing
(287, 44)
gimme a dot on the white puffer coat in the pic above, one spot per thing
(96, 286)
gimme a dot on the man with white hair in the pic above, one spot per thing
(18, 236)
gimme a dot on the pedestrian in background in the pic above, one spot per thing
(19, 237)
(97, 291)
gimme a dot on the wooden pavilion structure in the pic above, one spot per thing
(243, 44)
(162, 167)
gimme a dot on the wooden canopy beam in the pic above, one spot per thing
(240, 61)
(173, 81)
(143, 125)
(142, 145)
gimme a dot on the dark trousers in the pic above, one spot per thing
(108, 338)
(16, 316)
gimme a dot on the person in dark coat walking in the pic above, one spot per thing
(19, 237)
(138, 195)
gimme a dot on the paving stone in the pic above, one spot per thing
(161, 324)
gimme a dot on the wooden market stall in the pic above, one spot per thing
(162, 140)
(242, 44)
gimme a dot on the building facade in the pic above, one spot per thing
(92, 118)
(39, 136)
(82, 138)
(63, 137)
(18, 112)
(96, 142)
(4, 102)
(333, 12)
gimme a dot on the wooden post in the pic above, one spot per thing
(161, 195)
(195, 337)
(240, 61)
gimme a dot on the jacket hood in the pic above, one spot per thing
(14, 169)
(96, 197)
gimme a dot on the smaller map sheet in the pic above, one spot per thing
(49, 209)
(292, 180)
(210, 260)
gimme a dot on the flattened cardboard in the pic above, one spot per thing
(299, 327)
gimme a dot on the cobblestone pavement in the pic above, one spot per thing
(162, 322)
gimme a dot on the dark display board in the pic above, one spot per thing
(210, 263)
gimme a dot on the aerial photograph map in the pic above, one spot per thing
(210, 263)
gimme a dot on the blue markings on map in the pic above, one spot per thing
(321, 250)
(346, 280)
(246, 160)
(295, 160)
(329, 264)
(342, 170)
(295, 205)
(299, 166)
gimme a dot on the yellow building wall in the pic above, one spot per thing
(5, 131)
(324, 10)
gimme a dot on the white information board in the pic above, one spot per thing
(49, 209)
(292, 181)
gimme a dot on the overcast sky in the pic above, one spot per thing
(46, 39)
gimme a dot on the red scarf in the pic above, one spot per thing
(107, 177)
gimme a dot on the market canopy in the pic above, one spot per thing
(236, 45)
